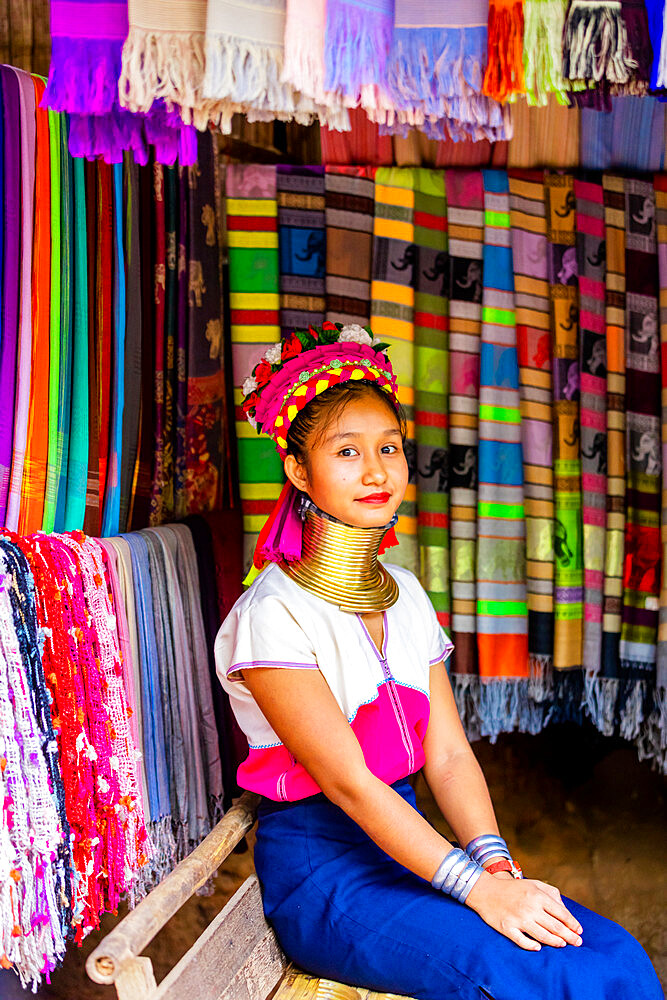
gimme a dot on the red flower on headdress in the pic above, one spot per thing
(313, 332)
(250, 401)
(328, 325)
(262, 373)
(291, 347)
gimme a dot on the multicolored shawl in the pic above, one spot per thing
(392, 319)
(543, 51)
(357, 39)
(531, 293)
(592, 409)
(134, 319)
(37, 440)
(435, 70)
(92, 523)
(24, 347)
(431, 284)
(11, 282)
(302, 246)
(465, 226)
(349, 243)
(502, 614)
(65, 371)
(601, 694)
(252, 213)
(632, 137)
(77, 467)
(205, 387)
(562, 271)
(159, 387)
(642, 564)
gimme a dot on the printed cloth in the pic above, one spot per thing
(349, 206)
(431, 378)
(465, 232)
(302, 245)
(279, 624)
(252, 213)
(590, 243)
(502, 615)
(531, 293)
(562, 272)
(642, 563)
(392, 320)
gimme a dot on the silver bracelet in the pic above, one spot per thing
(457, 875)
(491, 845)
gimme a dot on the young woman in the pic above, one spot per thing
(335, 666)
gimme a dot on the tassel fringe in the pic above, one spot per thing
(504, 76)
(595, 44)
(83, 77)
(543, 51)
(360, 40)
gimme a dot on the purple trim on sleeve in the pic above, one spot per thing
(270, 663)
(446, 651)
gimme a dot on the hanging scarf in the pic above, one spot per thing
(24, 351)
(465, 230)
(392, 320)
(34, 469)
(52, 470)
(160, 285)
(632, 137)
(349, 237)
(301, 238)
(11, 282)
(642, 565)
(303, 67)
(543, 50)
(181, 341)
(357, 39)
(504, 75)
(65, 370)
(133, 333)
(92, 524)
(502, 618)
(431, 379)
(590, 240)
(562, 271)
(655, 10)
(253, 292)
(531, 292)
(205, 414)
(171, 222)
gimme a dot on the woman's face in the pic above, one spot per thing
(356, 470)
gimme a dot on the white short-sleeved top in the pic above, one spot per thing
(384, 696)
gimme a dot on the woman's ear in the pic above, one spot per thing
(296, 473)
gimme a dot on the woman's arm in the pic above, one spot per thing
(303, 712)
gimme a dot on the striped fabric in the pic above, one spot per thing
(562, 263)
(431, 281)
(252, 213)
(66, 324)
(349, 201)
(642, 565)
(531, 289)
(502, 617)
(301, 238)
(52, 470)
(592, 409)
(465, 224)
(392, 319)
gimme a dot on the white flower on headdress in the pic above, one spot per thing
(251, 420)
(249, 385)
(274, 354)
(356, 334)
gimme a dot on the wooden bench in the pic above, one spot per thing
(236, 958)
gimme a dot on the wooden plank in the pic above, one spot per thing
(136, 981)
(298, 985)
(41, 37)
(129, 938)
(237, 957)
(5, 40)
(20, 26)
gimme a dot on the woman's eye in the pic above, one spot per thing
(347, 452)
(389, 449)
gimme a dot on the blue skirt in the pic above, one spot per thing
(343, 909)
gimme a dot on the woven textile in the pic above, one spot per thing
(303, 67)
(105, 320)
(392, 320)
(302, 244)
(134, 323)
(357, 40)
(465, 224)
(349, 201)
(159, 388)
(65, 327)
(502, 618)
(91, 521)
(181, 340)
(543, 51)
(504, 76)
(52, 471)
(531, 289)
(631, 137)
(642, 564)
(592, 409)
(431, 377)
(562, 271)
(545, 136)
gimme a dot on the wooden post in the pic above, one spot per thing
(136, 981)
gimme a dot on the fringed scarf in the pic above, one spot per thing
(591, 256)
(252, 212)
(504, 74)
(543, 50)
(531, 292)
(465, 232)
(392, 319)
(502, 615)
(303, 67)
(357, 40)
(655, 10)
(349, 243)
(642, 564)
(431, 284)
(562, 272)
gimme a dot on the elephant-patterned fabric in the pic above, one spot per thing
(522, 313)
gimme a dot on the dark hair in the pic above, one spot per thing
(309, 426)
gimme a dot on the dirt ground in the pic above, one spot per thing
(578, 811)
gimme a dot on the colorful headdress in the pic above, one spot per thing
(291, 374)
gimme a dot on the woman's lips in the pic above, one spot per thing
(375, 498)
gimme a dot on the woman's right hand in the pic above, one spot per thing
(528, 912)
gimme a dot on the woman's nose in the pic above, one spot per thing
(374, 471)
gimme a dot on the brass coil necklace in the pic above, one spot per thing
(339, 563)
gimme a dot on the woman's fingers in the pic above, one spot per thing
(550, 889)
(523, 941)
(559, 929)
(561, 913)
